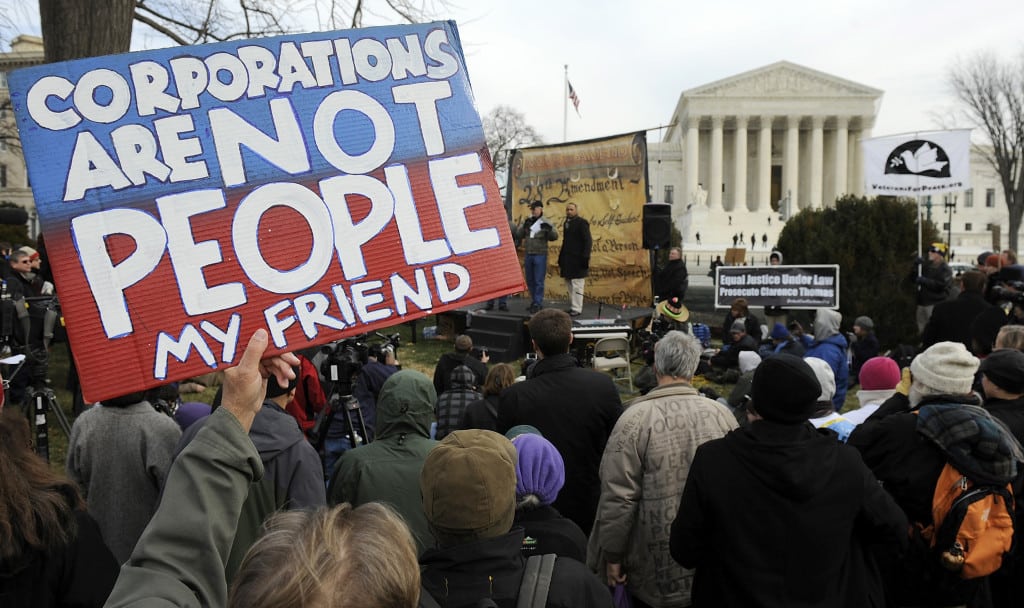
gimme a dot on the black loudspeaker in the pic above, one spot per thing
(657, 225)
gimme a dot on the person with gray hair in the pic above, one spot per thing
(643, 472)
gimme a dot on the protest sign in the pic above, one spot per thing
(318, 185)
(793, 287)
(607, 179)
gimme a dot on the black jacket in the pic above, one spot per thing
(935, 282)
(908, 465)
(81, 573)
(447, 364)
(574, 256)
(548, 532)
(672, 280)
(481, 414)
(781, 515)
(575, 409)
(460, 576)
(951, 320)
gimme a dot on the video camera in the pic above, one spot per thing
(1009, 291)
(648, 338)
(340, 361)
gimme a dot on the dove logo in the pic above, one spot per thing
(918, 157)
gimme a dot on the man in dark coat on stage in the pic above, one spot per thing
(574, 257)
(673, 279)
(573, 408)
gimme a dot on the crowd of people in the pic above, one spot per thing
(486, 485)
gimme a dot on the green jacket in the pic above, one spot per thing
(388, 469)
(180, 558)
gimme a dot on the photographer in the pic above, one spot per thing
(361, 371)
(934, 281)
(535, 232)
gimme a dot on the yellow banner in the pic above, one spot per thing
(607, 179)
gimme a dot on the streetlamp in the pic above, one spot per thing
(950, 210)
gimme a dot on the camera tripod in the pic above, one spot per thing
(40, 401)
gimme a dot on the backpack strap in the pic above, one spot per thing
(427, 600)
(533, 591)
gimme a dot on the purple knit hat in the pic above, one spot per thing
(540, 469)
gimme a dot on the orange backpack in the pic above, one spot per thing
(972, 524)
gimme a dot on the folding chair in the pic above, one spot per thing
(612, 354)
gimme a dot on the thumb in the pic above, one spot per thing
(254, 350)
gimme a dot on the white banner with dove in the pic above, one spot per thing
(918, 164)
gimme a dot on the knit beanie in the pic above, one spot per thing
(749, 360)
(540, 469)
(879, 374)
(784, 389)
(945, 367)
(468, 484)
(864, 322)
(1005, 369)
(826, 377)
(779, 331)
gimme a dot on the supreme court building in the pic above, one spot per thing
(745, 151)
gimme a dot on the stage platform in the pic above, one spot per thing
(504, 336)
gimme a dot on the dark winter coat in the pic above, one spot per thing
(908, 465)
(293, 477)
(934, 283)
(672, 281)
(462, 575)
(481, 414)
(951, 321)
(752, 323)
(574, 257)
(781, 515)
(548, 532)
(730, 358)
(862, 349)
(449, 361)
(575, 409)
(388, 470)
(81, 573)
(452, 403)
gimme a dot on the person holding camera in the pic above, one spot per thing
(535, 232)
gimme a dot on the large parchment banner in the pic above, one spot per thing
(607, 179)
(317, 185)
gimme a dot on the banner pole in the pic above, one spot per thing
(565, 104)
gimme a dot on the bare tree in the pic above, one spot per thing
(505, 129)
(992, 95)
(74, 29)
(197, 21)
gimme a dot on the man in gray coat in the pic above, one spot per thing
(534, 233)
(643, 471)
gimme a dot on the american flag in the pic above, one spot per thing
(574, 98)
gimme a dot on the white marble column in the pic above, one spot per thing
(715, 179)
(692, 157)
(791, 163)
(858, 166)
(842, 145)
(739, 196)
(817, 162)
(764, 165)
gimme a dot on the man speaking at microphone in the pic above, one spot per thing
(574, 257)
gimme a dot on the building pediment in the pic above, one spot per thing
(783, 79)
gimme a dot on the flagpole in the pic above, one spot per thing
(565, 105)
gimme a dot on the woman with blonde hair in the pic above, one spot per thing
(340, 557)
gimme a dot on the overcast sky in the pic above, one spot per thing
(629, 61)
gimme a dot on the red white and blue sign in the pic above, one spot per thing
(318, 185)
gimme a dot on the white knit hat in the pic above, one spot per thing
(945, 367)
(826, 377)
(749, 360)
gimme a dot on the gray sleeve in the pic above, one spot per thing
(180, 558)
